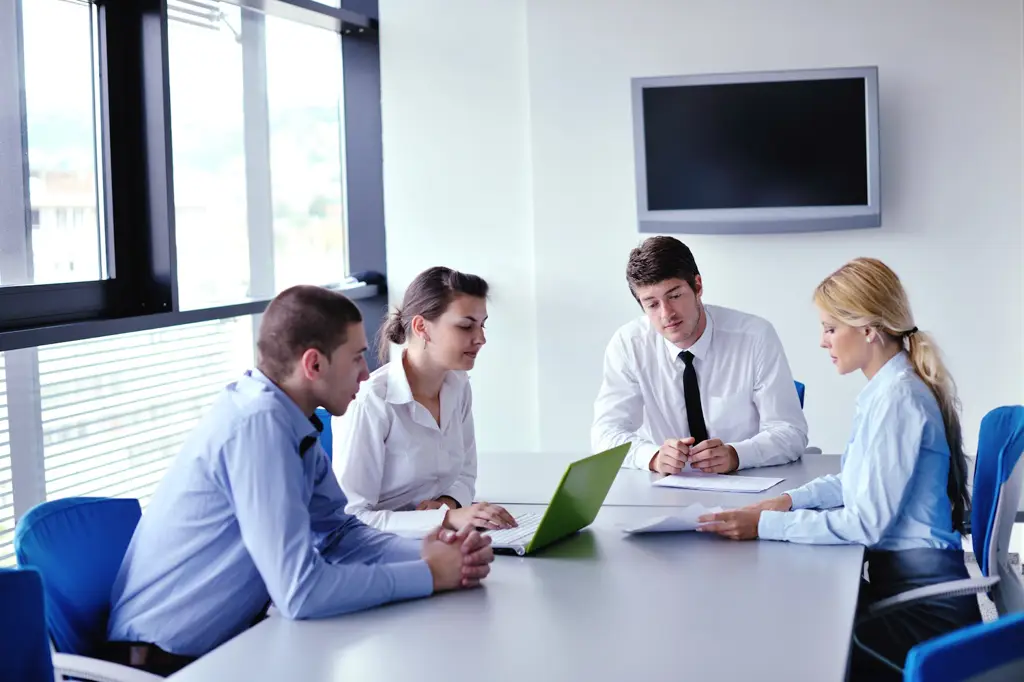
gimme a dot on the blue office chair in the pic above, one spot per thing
(989, 651)
(800, 393)
(77, 544)
(24, 648)
(23, 645)
(325, 436)
(998, 473)
(998, 480)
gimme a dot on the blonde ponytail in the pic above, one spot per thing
(867, 293)
(927, 361)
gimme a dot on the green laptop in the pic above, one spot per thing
(574, 506)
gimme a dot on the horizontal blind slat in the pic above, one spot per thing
(6, 478)
(116, 410)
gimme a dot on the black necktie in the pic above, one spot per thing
(691, 392)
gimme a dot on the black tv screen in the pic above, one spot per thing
(795, 143)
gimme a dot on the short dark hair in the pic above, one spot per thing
(428, 295)
(658, 259)
(298, 319)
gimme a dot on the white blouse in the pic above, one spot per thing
(390, 454)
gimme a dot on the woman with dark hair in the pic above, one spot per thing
(405, 452)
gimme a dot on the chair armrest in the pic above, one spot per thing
(97, 670)
(953, 588)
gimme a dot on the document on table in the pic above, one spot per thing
(684, 519)
(724, 483)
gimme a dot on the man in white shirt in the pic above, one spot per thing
(694, 383)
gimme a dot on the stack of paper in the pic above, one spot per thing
(724, 483)
(684, 519)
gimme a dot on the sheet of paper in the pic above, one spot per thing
(684, 519)
(725, 483)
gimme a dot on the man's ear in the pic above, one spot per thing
(312, 362)
(699, 286)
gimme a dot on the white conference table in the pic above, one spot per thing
(597, 606)
(502, 481)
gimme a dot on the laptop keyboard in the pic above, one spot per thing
(519, 535)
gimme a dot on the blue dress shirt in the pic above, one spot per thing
(242, 516)
(890, 493)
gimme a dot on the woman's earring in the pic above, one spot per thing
(424, 343)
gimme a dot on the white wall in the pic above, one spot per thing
(455, 111)
(457, 184)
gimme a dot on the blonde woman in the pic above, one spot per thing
(405, 452)
(902, 490)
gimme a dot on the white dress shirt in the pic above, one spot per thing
(390, 454)
(891, 491)
(746, 390)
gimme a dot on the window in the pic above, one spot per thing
(61, 125)
(6, 487)
(305, 153)
(257, 148)
(208, 147)
(116, 410)
(254, 111)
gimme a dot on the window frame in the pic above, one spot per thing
(137, 214)
(133, 97)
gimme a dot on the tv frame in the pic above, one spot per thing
(760, 220)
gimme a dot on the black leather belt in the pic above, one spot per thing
(144, 656)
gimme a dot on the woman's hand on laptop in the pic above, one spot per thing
(480, 515)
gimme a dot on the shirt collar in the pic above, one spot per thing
(884, 377)
(399, 390)
(701, 346)
(255, 381)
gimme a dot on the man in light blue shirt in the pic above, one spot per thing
(250, 511)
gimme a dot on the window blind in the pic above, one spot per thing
(6, 488)
(116, 410)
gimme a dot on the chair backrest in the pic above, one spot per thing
(983, 652)
(24, 646)
(998, 475)
(800, 393)
(325, 436)
(77, 544)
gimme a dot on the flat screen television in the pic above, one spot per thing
(784, 151)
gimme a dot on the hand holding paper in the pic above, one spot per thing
(736, 524)
(683, 520)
